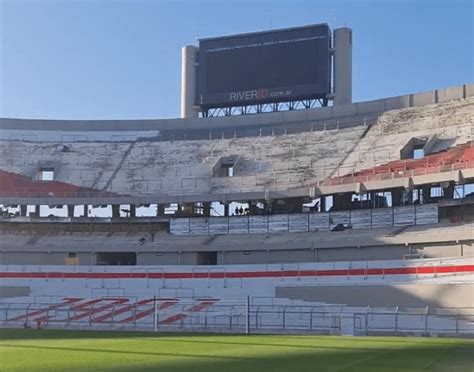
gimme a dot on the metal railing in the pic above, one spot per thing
(240, 316)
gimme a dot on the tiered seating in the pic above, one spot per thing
(106, 310)
(450, 122)
(148, 312)
(200, 306)
(264, 313)
(161, 167)
(281, 161)
(164, 242)
(459, 157)
(39, 314)
(17, 184)
(123, 310)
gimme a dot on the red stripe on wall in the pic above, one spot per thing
(244, 274)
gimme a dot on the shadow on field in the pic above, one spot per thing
(359, 342)
(178, 352)
(455, 358)
(56, 334)
(180, 337)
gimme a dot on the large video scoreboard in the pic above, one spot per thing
(272, 66)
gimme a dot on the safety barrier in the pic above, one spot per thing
(356, 219)
(239, 315)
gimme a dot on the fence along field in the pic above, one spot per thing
(256, 315)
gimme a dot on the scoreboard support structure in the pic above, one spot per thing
(342, 65)
(189, 62)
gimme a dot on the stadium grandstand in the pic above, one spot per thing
(348, 218)
(93, 230)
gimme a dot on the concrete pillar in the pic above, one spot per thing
(396, 197)
(85, 212)
(133, 210)
(188, 81)
(342, 202)
(206, 209)
(409, 195)
(426, 190)
(160, 209)
(23, 210)
(373, 199)
(343, 66)
(322, 203)
(448, 191)
(70, 210)
(226, 210)
(115, 210)
(252, 208)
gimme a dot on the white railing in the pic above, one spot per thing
(244, 315)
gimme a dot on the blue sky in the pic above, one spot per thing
(113, 59)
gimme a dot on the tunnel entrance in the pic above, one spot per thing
(117, 258)
(207, 258)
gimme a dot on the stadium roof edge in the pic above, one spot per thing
(364, 108)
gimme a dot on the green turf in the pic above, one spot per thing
(48, 350)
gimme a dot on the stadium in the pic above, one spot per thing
(273, 214)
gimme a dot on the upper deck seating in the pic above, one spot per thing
(458, 157)
(281, 161)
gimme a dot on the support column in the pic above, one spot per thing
(160, 209)
(342, 202)
(396, 197)
(373, 201)
(223, 258)
(322, 203)
(70, 210)
(226, 209)
(85, 211)
(133, 210)
(252, 208)
(409, 196)
(188, 81)
(23, 210)
(426, 190)
(448, 191)
(115, 210)
(206, 207)
(343, 66)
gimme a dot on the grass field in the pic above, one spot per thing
(48, 350)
